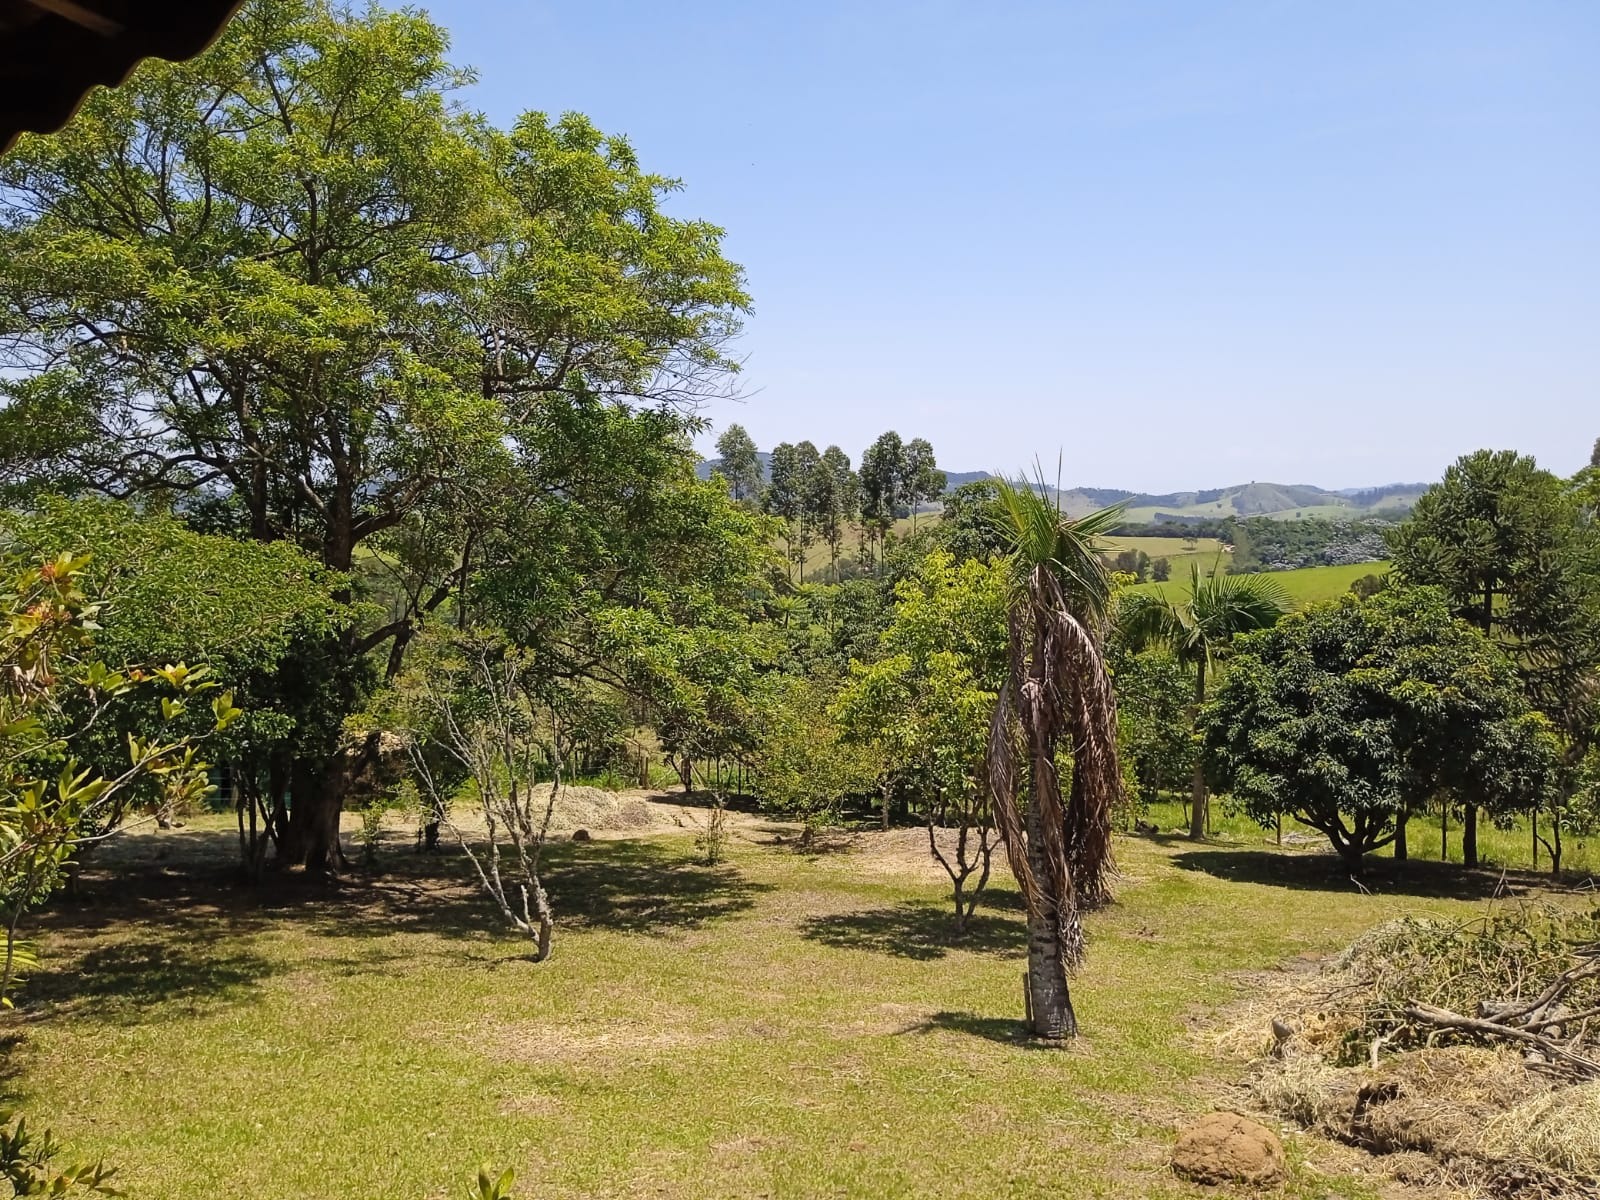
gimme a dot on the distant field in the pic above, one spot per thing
(1305, 586)
(1179, 552)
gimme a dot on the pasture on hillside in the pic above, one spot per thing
(784, 1024)
(1304, 586)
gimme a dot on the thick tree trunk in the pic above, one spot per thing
(1400, 852)
(1197, 791)
(1469, 836)
(1048, 1003)
(314, 810)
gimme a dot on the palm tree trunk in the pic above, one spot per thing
(1047, 1001)
(1197, 792)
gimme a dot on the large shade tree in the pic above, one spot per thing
(1056, 699)
(1512, 549)
(1197, 629)
(1353, 714)
(295, 288)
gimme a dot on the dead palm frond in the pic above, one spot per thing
(1057, 696)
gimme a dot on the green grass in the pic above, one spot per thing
(1205, 553)
(1510, 847)
(780, 1026)
(1305, 586)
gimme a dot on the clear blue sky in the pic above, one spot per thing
(1187, 244)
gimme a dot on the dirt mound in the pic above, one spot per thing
(1223, 1147)
(594, 808)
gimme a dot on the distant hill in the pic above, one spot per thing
(1287, 501)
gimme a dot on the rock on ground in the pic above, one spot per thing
(1223, 1147)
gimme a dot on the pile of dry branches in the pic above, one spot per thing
(1526, 977)
(1468, 1055)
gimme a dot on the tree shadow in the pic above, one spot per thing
(1004, 1030)
(1382, 876)
(918, 930)
(145, 979)
(642, 887)
(157, 934)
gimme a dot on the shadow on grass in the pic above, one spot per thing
(1329, 873)
(1007, 1031)
(917, 930)
(642, 887)
(143, 979)
(168, 932)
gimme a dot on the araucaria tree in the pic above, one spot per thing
(1057, 698)
(295, 288)
(1198, 630)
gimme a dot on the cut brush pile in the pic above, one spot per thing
(1469, 1053)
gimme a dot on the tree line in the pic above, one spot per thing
(819, 497)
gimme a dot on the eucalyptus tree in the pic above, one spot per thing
(920, 478)
(1057, 696)
(880, 483)
(739, 463)
(294, 288)
(1198, 630)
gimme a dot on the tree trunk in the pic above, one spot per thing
(314, 809)
(1400, 851)
(884, 814)
(1469, 836)
(1048, 1003)
(1197, 791)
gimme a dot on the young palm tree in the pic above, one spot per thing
(1197, 629)
(1057, 695)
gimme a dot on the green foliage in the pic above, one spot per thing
(805, 767)
(925, 699)
(1349, 713)
(970, 527)
(1155, 695)
(55, 691)
(27, 1163)
(738, 464)
(491, 1187)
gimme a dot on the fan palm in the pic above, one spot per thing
(1198, 629)
(1057, 694)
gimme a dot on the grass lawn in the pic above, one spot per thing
(1305, 586)
(779, 1026)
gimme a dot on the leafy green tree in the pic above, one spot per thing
(739, 464)
(925, 704)
(54, 693)
(920, 479)
(1161, 569)
(1057, 696)
(1155, 718)
(972, 526)
(791, 472)
(1198, 630)
(805, 767)
(256, 613)
(1352, 714)
(1503, 540)
(880, 481)
(320, 300)
(830, 503)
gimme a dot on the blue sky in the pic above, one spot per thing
(1183, 244)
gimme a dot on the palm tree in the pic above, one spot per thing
(1057, 695)
(1198, 630)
